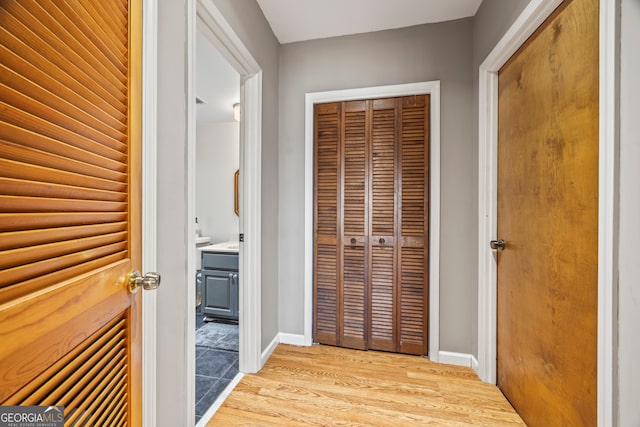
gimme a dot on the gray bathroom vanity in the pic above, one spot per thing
(220, 281)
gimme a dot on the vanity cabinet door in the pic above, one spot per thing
(218, 292)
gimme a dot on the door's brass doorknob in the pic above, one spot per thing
(497, 245)
(149, 281)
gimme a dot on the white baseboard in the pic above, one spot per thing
(458, 359)
(293, 339)
(474, 364)
(267, 351)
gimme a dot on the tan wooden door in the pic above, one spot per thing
(70, 144)
(371, 232)
(548, 218)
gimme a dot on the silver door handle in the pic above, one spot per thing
(497, 245)
(148, 282)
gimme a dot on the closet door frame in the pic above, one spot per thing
(432, 89)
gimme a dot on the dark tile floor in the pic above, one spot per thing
(216, 365)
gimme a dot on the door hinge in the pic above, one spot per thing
(241, 237)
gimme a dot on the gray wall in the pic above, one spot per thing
(629, 243)
(248, 22)
(491, 22)
(173, 306)
(217, 159)
(172, 216)
(421, 53)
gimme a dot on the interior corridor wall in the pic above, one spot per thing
(415, 54)
(172, 253)
(628, 410)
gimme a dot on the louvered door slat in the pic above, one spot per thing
(30, 164)
(89, 376)
(353, 294)
(19, 170)
(23, 128)
(46, 382)
(12, 203)
(98, 27)
(353, 313)
(42, 108)
(117, 10)
(413, 225)
(60, 30)
(326, 275)
(24, 238)
(105, 394)
(9, 79)
(97, 364)
(382, 334)
(108, 18)
(71, 91)
(20, 38)
(383, 173)
(10, 222)
(15, 187)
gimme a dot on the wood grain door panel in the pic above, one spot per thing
(354, 225)
(548, 217)
(70, 149)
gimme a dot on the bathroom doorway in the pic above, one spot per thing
(209, 21)
(217, 163)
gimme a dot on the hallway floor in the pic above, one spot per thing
(216, 361)
(324, 385)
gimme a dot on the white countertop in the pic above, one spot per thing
(232, 246)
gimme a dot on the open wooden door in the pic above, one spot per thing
(70, 147)
(548, 218)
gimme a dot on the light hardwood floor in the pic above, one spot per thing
(326, 386)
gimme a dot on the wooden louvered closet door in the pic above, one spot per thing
(371, 216)
(70, 146)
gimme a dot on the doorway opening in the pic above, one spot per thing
(242, 273)
(217, 223)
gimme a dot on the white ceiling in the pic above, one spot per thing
(217, 83)
(297, 20)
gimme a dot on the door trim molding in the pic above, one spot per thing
(433, 89)
(149, 205)
(530, 19)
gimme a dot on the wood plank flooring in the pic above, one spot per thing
(326, 386)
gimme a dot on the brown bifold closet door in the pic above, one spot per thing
(371, 216)
(70, 147)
